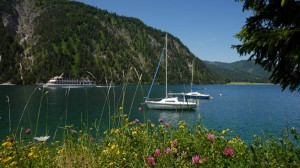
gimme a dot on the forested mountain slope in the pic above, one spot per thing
(44, 38)
(240, 71)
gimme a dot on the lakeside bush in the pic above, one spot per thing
(144, 144)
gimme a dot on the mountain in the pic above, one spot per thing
(44, 38)
(240, 71)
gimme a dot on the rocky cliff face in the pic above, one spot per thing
(20, 19)
(26, 14)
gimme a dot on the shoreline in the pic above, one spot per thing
(230, 83)
(7, 84)
(248, 83)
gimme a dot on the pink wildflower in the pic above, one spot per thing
(196, 159)
(150, 160)
(211, 137)
(73, 131)
(157, 152)
(228, 151)
(174, 143)
(160, 120)
(149, 121)
(136, 120)
(27, 131)
(168, 150)
(11, 140)
(92, 139)
(140, 109)
(167, 124)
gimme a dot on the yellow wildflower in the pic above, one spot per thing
(134, 133)
(181, 126)
(8, 144)
(118, 152)
(85, 148)
(68, 126)
(30, 154)
(152, 125)
(105, 151)
(113, 147)
(33, 148)
(225, 131)
(59, 151)
(13, 163)
(4, 144)
(6, 159)
(117, 131)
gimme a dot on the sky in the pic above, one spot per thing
(206, 27)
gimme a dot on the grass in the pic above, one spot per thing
(136, 144)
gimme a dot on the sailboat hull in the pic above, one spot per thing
(170, 104)
(202, 96)
(196, 95)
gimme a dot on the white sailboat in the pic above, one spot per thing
(193, 94)
(169, 103)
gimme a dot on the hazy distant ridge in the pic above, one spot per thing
(240, 71)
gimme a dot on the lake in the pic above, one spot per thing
(245, 109)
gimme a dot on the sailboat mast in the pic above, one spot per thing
(166, 65)
(192, 76)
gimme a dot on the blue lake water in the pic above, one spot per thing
(245, 109)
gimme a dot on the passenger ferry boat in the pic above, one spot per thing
(59, 81)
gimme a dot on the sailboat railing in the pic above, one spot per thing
(160, 60)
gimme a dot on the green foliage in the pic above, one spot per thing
(6, 6)
(168, 145)
(271, 37)
(10, 52)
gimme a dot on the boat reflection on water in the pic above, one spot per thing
(173, 117)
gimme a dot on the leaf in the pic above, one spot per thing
(282, 3)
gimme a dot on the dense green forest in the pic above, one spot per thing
(44, 38)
